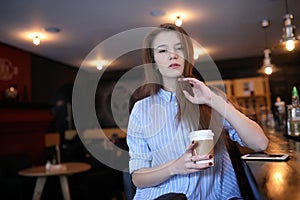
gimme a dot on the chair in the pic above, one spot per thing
(52, 147)
(244, 181)
(52, 139)
(129, 188)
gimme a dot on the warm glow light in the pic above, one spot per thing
(36, 40)
(11, 89)
(290, 45)
(36, 37)
(197, 52)
(277, 177)
(100, 64)
(178, 21)
(196, 55)
(268, 70)
(177, 17)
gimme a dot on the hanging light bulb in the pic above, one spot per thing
(178, 21)
(100, 64)
(290, 45)
(288, 31)
(267, 68)
(36, 40)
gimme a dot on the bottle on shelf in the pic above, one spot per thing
(293, 118)
(295, 97)
(279, 114)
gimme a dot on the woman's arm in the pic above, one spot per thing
(249, 131)
(147, 177)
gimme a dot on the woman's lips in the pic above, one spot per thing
(174, 66)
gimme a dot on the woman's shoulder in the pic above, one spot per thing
(142, 103)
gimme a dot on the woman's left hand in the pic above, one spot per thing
(202, 94)
(186, 164)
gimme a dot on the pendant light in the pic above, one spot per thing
(267, 67)
(289, 37)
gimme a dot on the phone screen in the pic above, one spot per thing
(266, 157)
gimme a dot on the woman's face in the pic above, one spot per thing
(168, 54)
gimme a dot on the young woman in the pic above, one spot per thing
(172, 105)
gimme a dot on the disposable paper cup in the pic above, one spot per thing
(204, 140)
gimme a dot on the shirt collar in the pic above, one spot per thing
(167, 95)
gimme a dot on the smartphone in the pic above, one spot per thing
(265, 157)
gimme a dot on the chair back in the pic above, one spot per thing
(243, 178)
(52, 139)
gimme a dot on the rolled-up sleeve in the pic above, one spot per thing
(140, 154)
(233, 134)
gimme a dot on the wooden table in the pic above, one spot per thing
(41, 174)
(276, 180)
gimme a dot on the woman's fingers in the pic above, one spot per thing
(194, 167)
(192, 81)
(196, 163)
(203, 157)
(190, 147)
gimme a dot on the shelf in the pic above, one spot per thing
(253, 93)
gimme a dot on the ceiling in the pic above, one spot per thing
(225, 28)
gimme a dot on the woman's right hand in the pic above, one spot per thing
(186, 164)
(201, 93)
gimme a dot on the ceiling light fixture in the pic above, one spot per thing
(36, 40)
(36, 37)
(267, 68)
(288, 31)
(100, 64)
(178, 21)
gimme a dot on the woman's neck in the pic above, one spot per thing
(170, 84)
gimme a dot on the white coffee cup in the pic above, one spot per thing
(204, 140)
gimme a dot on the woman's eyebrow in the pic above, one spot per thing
(160, 46)
(164, 45)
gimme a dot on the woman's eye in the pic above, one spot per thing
(179, 48)
(162, 50)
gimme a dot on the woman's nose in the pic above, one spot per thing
(173, 56)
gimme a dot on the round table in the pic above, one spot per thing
(63, 170)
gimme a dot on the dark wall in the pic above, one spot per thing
(49, 79)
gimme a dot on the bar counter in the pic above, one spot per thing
(276, 180)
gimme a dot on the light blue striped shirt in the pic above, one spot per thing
(154, 138)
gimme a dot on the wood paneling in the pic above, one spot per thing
(22, 130)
